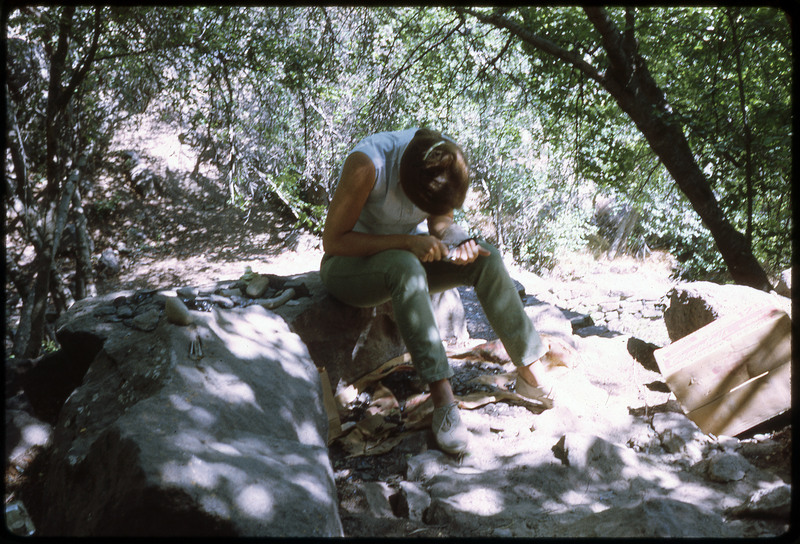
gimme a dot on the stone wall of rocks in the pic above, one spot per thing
(640, 314)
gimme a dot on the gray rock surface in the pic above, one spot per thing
(160, 406)
(770, 502)
(694, 305)
(727, 467)
(414, 500)
(156, 443)
(654, 518)
(351, 342)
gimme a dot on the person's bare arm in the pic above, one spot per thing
(338, 238)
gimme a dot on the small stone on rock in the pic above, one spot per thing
(148, 321)
(177, 312)
(258, 286)
(727, 467)
(222, 302)
(231, 293)
(187, 292)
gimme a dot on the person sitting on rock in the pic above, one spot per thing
(377, 248)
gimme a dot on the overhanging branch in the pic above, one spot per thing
(614, 43)
(543, 44)
(79, 75)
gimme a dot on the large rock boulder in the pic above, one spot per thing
(162, 438)
(350, 342)
(695, 305)
(216, 428)
(654, 518)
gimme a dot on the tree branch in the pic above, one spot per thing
(628, 37)
(409, 62)
(748, 135)
(54, 95)
(627, 72)
(79, 75)
(543, 44)
(620, 61)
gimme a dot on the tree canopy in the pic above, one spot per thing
(682, 114)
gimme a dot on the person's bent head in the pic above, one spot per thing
(434, 173)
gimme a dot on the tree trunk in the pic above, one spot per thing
(498, 212)
(669, 144)
(748, 134)
(629, 82)
(55, 198)
(28, 343)
(624, 229)
(84, 279)
(16, 149)
(62, 298)
(23, 334)
(30, 333)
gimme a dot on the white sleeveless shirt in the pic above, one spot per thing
(388, 210)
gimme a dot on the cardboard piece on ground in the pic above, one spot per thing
(733, 373)
(401, 362)
(331, 409)
(476, 400)
(492, 351)
(383, 401)
(379, 431)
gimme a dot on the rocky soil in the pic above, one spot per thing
(616, 456)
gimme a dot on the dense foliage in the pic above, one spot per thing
(274, 97)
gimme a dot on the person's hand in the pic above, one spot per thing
(467, 252)
(427, 248)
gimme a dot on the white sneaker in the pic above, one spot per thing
(450, 432)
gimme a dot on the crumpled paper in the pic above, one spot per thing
(387, 421)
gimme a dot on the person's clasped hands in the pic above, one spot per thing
(430, 249)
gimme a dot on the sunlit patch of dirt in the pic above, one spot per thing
(571, 266)
(189, 233)
(185, 232)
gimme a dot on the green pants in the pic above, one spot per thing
(399, 276)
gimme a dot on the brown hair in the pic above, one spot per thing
(434, 173)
